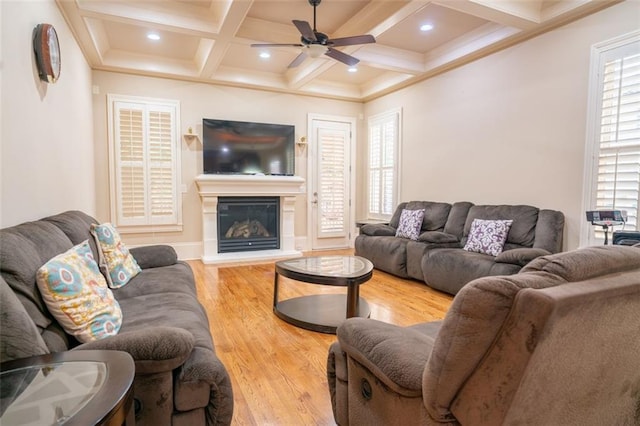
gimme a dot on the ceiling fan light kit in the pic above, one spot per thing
(317, 44)
(317, 50)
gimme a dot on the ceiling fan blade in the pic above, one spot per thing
(348, 41)
(305, 29)
(275, 44)
(298, 60)
(342, 57)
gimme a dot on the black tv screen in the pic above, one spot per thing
(239, 147)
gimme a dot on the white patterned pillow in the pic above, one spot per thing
(488, 236)
(410, 224)
(77, 295)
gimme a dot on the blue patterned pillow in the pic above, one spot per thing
(488, 236)
(410, 224)
(117, 264)
(77, 295)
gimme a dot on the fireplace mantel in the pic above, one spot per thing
(210, 187)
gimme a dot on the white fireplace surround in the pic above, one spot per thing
(210, 187)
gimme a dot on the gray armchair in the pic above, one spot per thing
(556, 343)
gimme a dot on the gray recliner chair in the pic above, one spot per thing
(555, 344)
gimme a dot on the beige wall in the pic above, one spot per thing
(198, 101)
(47, 157)
(509, 128)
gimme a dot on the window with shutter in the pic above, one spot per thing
(144, 146)
(616, 130)
(384, 143)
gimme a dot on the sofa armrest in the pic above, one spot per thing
(395, 355)
(378, 229)
(521, 256)
(437, 237)
(154, 349)
(154, 256)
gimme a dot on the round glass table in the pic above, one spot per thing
(68, 388)
(323, 312)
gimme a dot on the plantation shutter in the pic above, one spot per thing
(131, 173)
(383, 148)
(145, 164)
(161, 153)
(332, 192)
(618, 176)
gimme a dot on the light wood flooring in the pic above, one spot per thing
(278, 371)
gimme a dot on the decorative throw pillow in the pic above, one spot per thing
(117, 264)
(77, 295)
(488, 236)
(410, 224)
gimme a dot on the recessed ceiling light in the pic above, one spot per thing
(426, 27)
(352, 69)
(265, 55)
(153, 36)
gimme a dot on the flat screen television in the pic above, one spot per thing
(239, 147)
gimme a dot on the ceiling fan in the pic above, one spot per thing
(316, 44)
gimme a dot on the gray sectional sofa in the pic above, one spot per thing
(438, 257)
(179, 379)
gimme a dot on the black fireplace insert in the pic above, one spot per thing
(248, 224)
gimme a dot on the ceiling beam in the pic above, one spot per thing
(187, 19)
(511, 13)
(231, 23)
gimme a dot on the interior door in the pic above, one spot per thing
(331, 181)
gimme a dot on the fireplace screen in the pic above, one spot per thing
(248, 223)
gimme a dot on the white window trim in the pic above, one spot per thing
(397, 161)
(592, 144)
(144, 228)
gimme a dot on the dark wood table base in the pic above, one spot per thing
(321, 312)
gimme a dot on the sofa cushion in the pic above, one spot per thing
(520, 256)
(388, 254)
(172, 279)
(76, 225)
(24, 249)
(437, 237)
(467, 332)
(523, 229)
(116, 263)
(487, 236)
(18, 333)
(435, 214)
(480, 309)
(410, 224)
(378, 229)
(77, 295)
(154, 256)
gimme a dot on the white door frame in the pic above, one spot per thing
(311, 178)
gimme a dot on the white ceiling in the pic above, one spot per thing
(209, 40)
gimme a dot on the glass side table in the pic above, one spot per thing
(68, 388)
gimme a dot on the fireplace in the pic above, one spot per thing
(248, 223)
(213, 188)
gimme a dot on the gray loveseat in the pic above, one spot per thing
(179, 379)
(438, 257)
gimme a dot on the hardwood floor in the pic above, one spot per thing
(278, 371)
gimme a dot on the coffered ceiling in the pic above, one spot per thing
(210, 40)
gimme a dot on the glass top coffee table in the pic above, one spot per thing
(323, 312)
